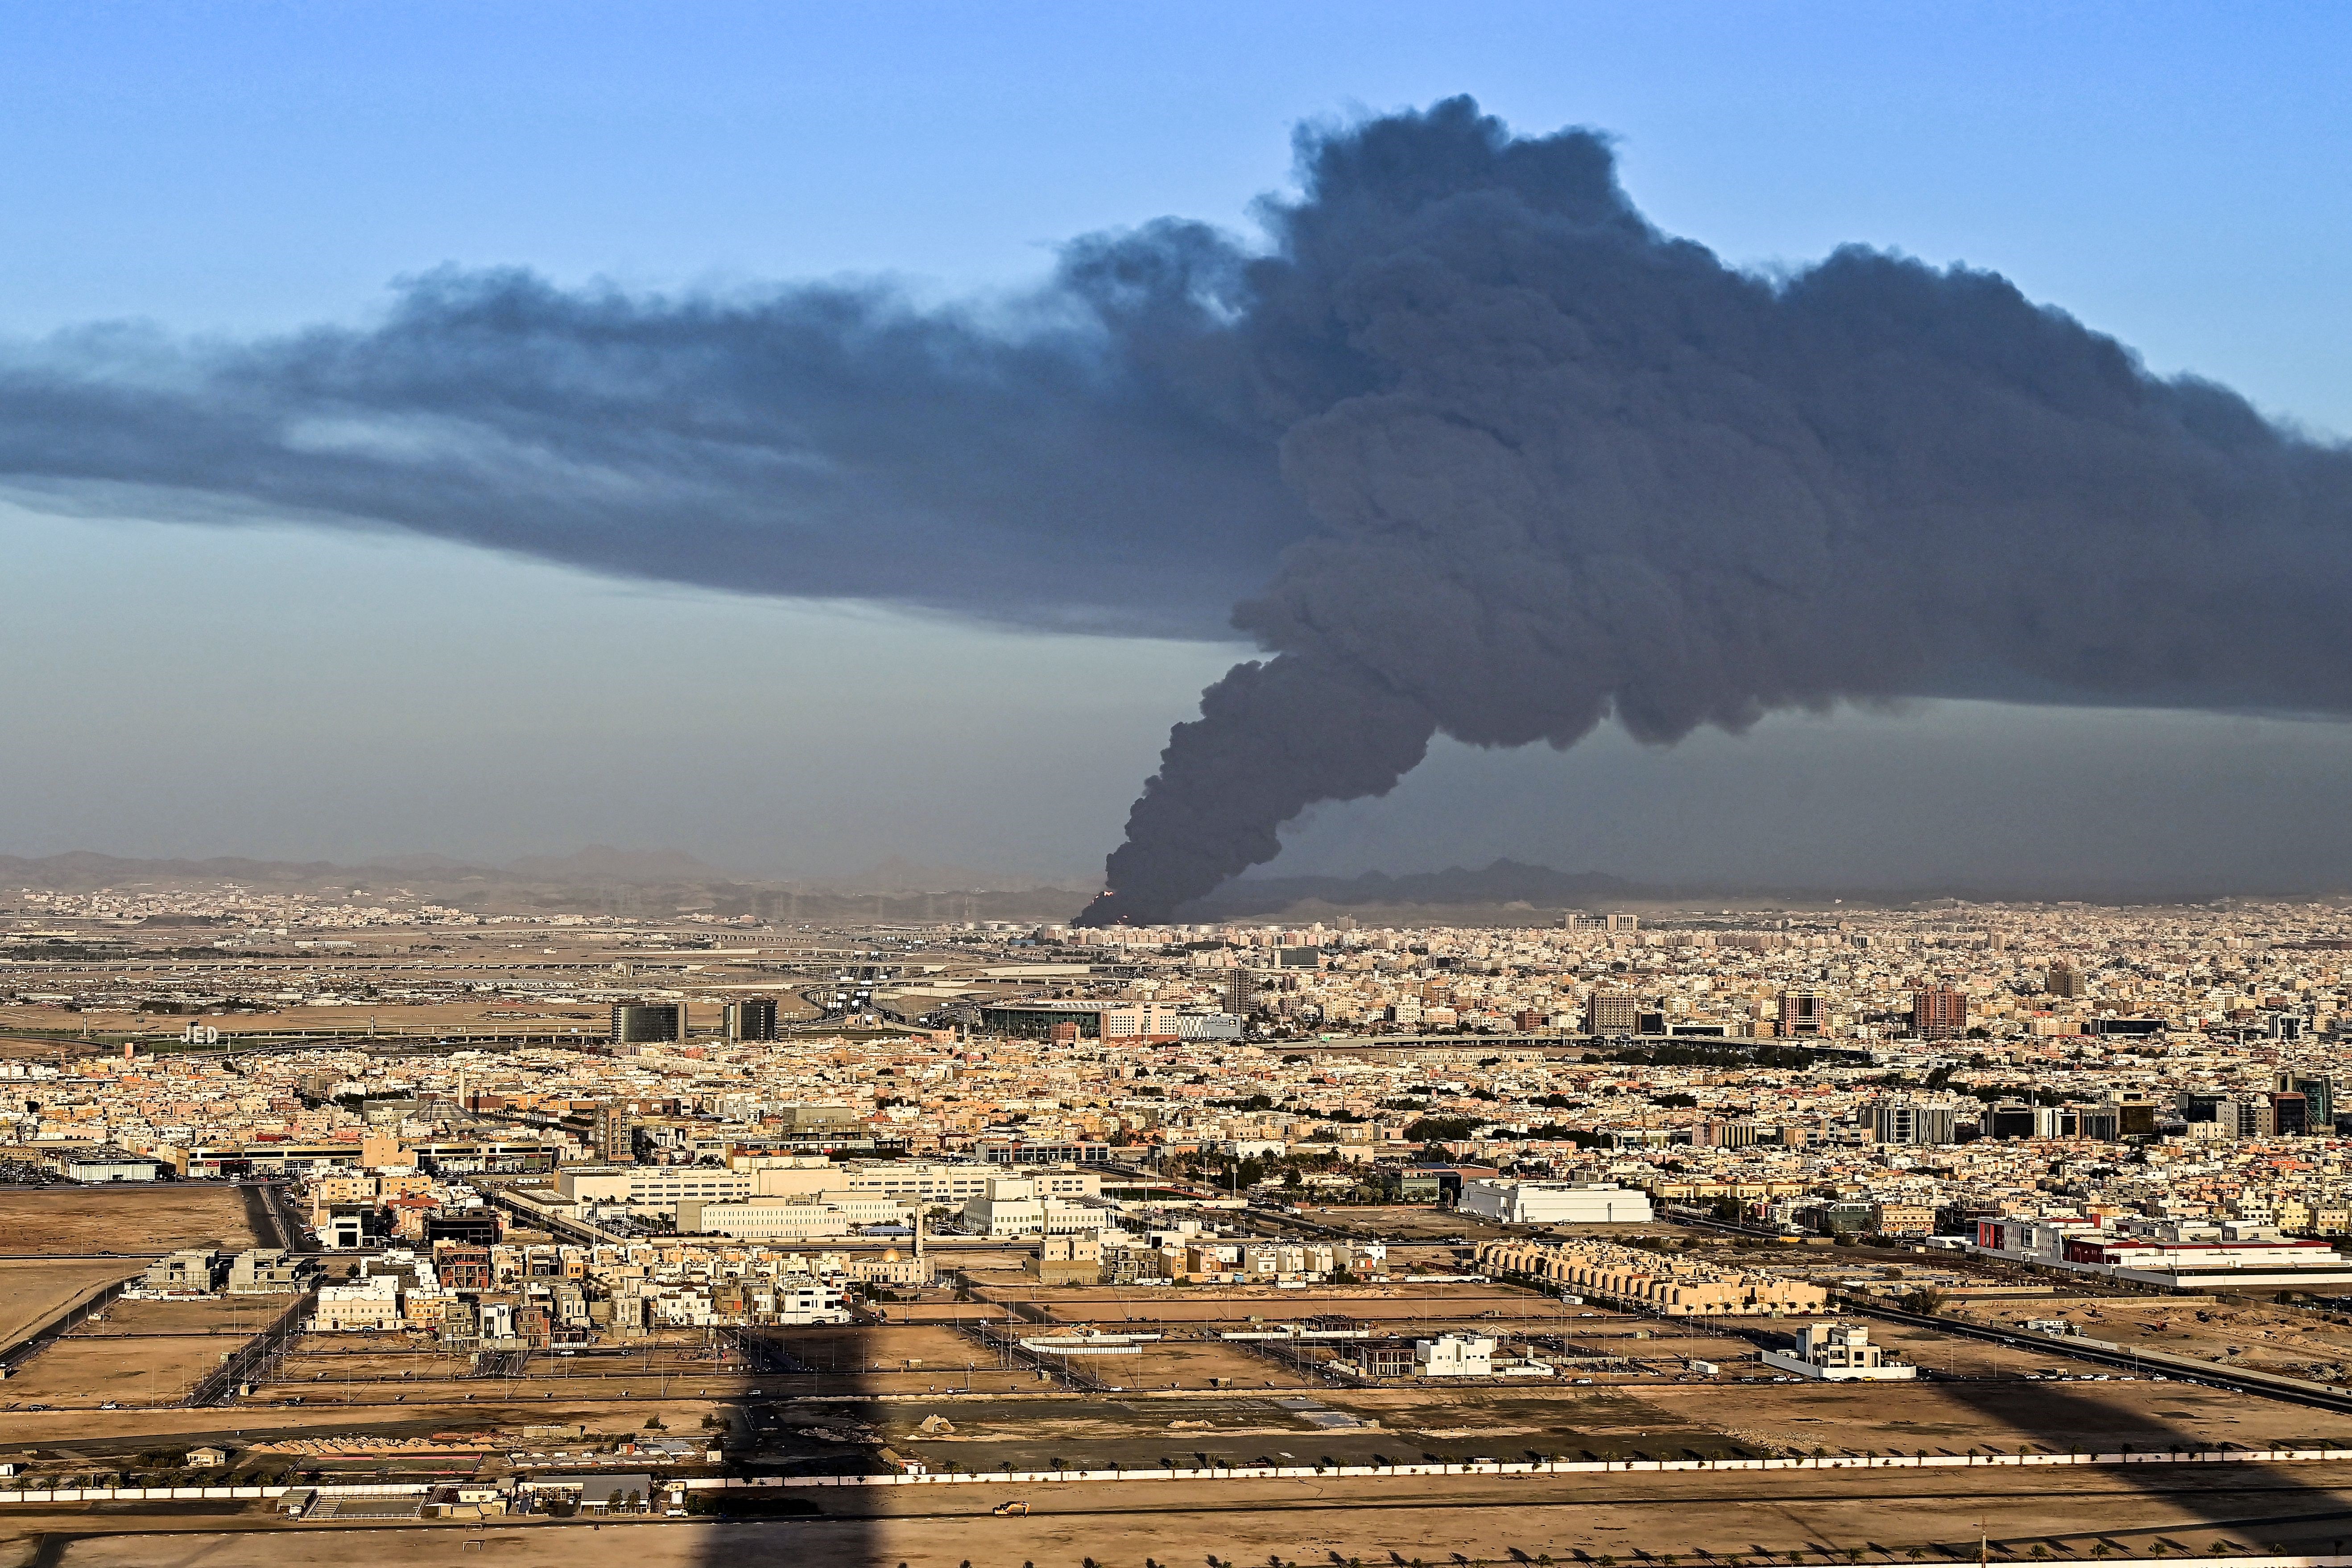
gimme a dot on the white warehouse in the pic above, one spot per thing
(1512, 1202)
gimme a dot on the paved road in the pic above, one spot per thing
(2179, 1368)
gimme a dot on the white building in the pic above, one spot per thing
(1838, 1352)
(949, 1182)
(1454, 1355)
(2175, 1254)
(106, 1164)
(802, 1303)
(1013, 1206)
(370, 1303)
(1511, 1202)
(827, 1217)
(654, 1187)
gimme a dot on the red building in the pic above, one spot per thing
(1940, 1012)
(462, 1267)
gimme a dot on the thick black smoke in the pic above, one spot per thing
(1511, 461)
(1567, 467)
(1084, 458)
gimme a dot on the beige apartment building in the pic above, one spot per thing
(1903, 1218)
(1673, 1287)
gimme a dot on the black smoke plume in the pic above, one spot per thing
(1495, 457)
(1079, 458)
(1569, 468)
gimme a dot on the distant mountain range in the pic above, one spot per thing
(658, 883)
(661, 883)
(598, 880)
(1497, 886)
(598, 864)
(80, 871)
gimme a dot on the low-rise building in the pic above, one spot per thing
(1013, 1205)
(268, 1272)
(1454, 1355)
(193, 1271)
(368, 1303)
(1838, 1352)
(1903, 1219)
(1653, 1281)
(2174, 1254)
(826, 1216)
(1511, 1201)
(1071, 1260)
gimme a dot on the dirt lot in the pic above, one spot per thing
(1192, 1363)
(902, 1358)
(138, 1353)
(1889, 1516)
(32, 1292)
(497, 1407)
(2007, 1414)
(2297, 1342)
(140, 1218)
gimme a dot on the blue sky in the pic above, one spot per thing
(2172, 175)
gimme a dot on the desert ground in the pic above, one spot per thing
(34, 1291)
(931, 1386)
(139, 1220)
(1828, 1517)
(139, 1352)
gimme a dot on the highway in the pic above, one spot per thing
(2270, 1385)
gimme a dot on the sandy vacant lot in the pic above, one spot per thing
(1397, 1521)
(2008, 1414)
(139, 1352)
(911, 1359)
(140, 1218)
(2298, 1342)
(33, 1292)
